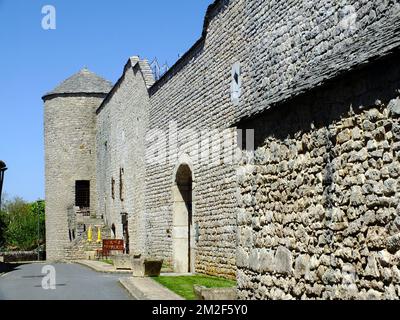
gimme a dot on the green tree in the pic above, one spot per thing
(3, 223)
(38, 209)
(3, 228)
(22, 224)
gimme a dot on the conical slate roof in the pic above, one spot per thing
(84, 81)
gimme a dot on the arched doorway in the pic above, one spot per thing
(182, 235)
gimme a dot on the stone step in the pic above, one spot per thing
(77, 249)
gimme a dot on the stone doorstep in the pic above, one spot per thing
(145, 288)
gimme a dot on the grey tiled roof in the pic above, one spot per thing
(84, 81)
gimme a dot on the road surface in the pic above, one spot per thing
(72, 282)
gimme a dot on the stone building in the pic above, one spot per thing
(70, 153)
(269, 152)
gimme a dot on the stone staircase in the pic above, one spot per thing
(80, 247)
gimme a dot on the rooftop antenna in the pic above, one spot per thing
(158, 71)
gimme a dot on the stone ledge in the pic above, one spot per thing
(203, 293)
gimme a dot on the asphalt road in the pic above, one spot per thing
(72, 282)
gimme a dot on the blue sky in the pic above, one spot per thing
(100, 35)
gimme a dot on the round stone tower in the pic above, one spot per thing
(70, 173)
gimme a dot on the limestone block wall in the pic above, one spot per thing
(283, 49)
(103, 161)
(70, 128)
(194, 97)
(318, 212)
(122, 122)
(293, 46)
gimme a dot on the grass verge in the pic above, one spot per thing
(108, 261)
(183, 285)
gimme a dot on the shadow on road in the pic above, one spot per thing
(8, 267)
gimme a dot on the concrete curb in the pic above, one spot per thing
(101, 267)
(132, 289)
(147, 289)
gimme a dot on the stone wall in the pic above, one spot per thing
(300, 197)
(294, 46)
(194, 97)
(283, 48)
(319, 204)
(21, 256)
(70, 128)
(121, 127)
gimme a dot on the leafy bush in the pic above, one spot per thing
(21, 221)
(3, 228)
(38, 208)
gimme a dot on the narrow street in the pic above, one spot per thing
(73, 282)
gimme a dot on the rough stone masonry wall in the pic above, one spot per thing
(103, 160)
(294, 45)
(70, 128)
(319, 206)
(284, 48)
(120, 135)
(197, 97)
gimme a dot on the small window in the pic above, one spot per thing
(121, 184)
(82, 194)
(236, 83)
(246, 139)
(113, 230)
(112, 188)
